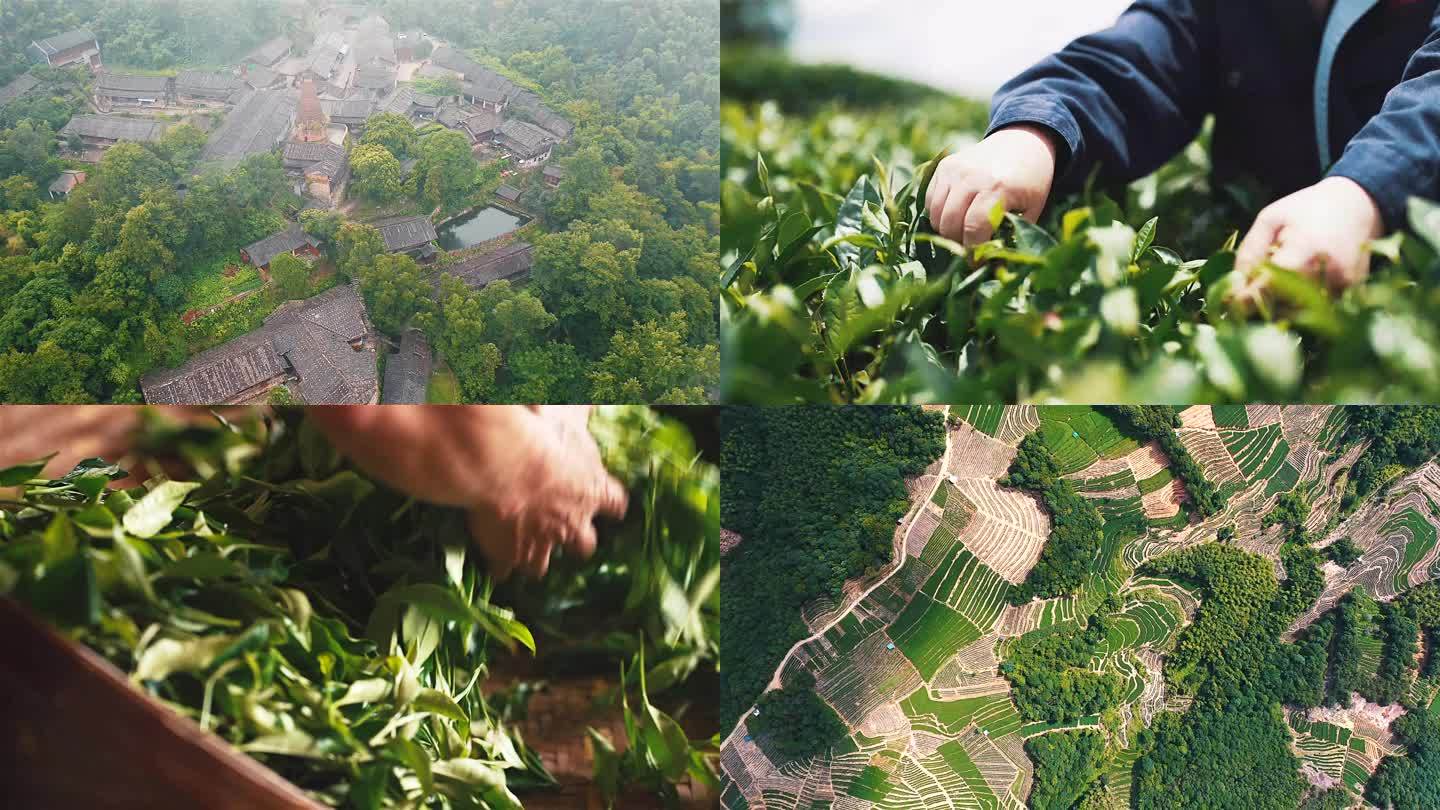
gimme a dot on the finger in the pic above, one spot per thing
(977, 228)
(1298, 255)
(952, 221)
(583, 541)
(1341, 275)
(499, 553)
(935, 199)
(1255, 248)
(540, 560)
(612, 500)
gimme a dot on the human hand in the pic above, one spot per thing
(1014, 166)
(530, 478)
(1323, 231)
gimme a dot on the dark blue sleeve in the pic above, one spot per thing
(1126, 99)
(1396, 155)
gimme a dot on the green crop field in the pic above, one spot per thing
(1156, 482)
(992, 713)
(928, 633)
(1420, 534)
(1079, 434)
(1229, 416)
(984, 418)
(872, 785)
(1105, 483)
(969, 587)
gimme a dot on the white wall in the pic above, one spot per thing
(969, 47)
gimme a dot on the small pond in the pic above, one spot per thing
(480, 225)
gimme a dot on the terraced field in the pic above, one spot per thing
(912, 667)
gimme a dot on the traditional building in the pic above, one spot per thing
(205, 87)
(414, 236)
(553, 175)
(352, 112)
(270, 53)
(131, 90)
(405, 101)
(66, 183)
(513, 262)
(323, 168)
(100, 132)
(373, 81)
(69, 48)
(477, 124)
(257, 77)
(322, 347)
(526, 143)
(509, 194)
(292, 240)
(527, 105)
(310, 122)
(257, 124)
(22, 85)
(407, 372)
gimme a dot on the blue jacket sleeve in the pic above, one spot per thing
(1396, 155)
(1126, 99)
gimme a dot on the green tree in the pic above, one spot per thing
(151, 233)
(322, 224)
(396, 290)
(517, 320)
(28, 149)
(180, 146)
(651, 362)
(583, 282)
(356, 248)
(460, 338)
(377, 173)
(443, 86)
(447, 166)
(289, 277)
(19, 193)
(394, 132)
(549, 372)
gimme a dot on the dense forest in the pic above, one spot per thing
(815, 494)
(621, 305)
(1050, 676)
(793, 722)
(1401, 438)
(1075, 525)
(1068, 766)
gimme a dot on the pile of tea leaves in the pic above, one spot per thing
(342, 633)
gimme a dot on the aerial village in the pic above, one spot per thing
(310, 103)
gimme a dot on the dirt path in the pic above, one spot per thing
(899, 560)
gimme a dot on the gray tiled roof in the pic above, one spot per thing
(348, 110)
(509, 262)
(204, 82)
(314, 338)
(114, 128)
(129, 85)
(525, 134)
(407, 372)
(508, 193)
(255, 125)
(64, 42)
(260, 77)
(270, 52)
(263, 252)
(406, 233)
(314, 152)
(554, 171)
(22, 84)
(375, 77)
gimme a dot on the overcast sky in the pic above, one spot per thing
(965, 46)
